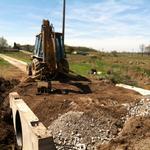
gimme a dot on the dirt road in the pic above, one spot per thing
(17, 63)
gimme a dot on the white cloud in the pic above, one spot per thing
(108, 24)
(110, 44)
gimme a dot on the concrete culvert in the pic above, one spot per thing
(18, 130)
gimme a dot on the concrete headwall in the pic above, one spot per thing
(31, 134)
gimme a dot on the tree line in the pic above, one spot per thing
(4, 45)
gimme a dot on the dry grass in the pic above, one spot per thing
(8, 71)
(132, 69)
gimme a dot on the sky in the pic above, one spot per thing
(107, 25)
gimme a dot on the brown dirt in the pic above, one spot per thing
(134, 136)
(11, 72)
(101, 102)
(99, 94)
(93, 110)
(5, 86)
(6, 125)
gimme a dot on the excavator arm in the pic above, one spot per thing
(49, 46)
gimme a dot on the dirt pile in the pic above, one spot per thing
(134, 136)
(6, 124)
(84, 115)
(5, 86)
(84, 129)
(136, 129)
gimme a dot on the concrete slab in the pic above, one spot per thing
(31, 134)
(139, 90)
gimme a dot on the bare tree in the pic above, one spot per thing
(3, 43)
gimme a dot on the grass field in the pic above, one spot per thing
(19, 55)
(8, 71)
(132, 69)
(3, 63)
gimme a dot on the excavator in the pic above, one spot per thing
(49, 58)
(49, 61)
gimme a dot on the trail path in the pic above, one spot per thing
(17, 63)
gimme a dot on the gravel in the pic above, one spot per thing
(142, 108)
(80, 131)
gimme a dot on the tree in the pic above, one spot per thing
(16, 46)
(3, 43)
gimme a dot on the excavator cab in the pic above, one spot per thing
(49, 58)
(38, 50)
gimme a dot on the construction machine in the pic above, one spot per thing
(49, 58)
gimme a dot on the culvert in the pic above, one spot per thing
(18, 128)
(31, 134)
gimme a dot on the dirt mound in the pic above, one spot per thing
(74, 98)
(83, 114)
(5, 86)
(136, 129)
(6, 124)
(135, 135)
(6, 135)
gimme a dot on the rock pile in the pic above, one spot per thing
(141, 108)
(78, 131)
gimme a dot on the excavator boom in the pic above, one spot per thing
(49, 57)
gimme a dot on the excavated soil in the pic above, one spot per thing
(76, 96)
(87, 115)
(6, 124)
(134, 136)
(83, 115)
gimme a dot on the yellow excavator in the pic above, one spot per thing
(49, 58)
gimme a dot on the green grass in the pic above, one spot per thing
(19, 55)
(4, 63)
(80, 68)
(142, 70)
(119, 68)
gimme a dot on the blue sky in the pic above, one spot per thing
(102, 24)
